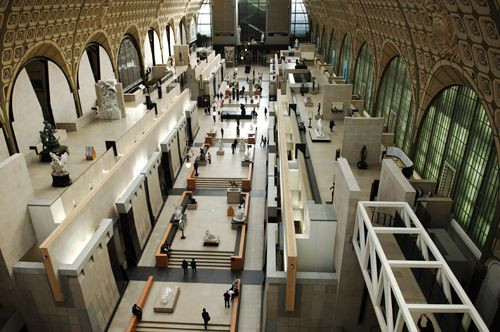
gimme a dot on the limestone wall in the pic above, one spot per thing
(394, 187)
(359, 132)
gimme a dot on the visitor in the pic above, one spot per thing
(319, 108)
(209, 158)
(237, 121)
(265, 112)
(233, 147)
(265, 141)
(221, 114)
(227, 297)
(184, 266)
(261, 140)
(214, 117)
(206, 318)
(196, 168)
(238, 131)
(222, 129)
(193, 266)
(428, 324)
(137, 311)
(332, 123)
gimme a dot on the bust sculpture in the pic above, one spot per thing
(60, 173)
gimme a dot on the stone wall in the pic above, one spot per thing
(359, 132)
(394, 187)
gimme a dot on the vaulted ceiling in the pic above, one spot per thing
(443, 42)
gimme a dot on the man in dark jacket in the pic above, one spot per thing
(206, 318)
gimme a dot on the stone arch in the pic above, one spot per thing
(46, 49)
(101, 38)
(133, 31)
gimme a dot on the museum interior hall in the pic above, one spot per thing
(250, 165)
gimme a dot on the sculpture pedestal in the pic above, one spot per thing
(233, 196)
(220, 152)
(61, 180)
(192, 206)
(316, 138)
(170, 305)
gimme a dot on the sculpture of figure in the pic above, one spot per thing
(166, 295)
(202, 154)
(240, 214)
(58, 164)
(363, 154)
(319, 128)
(109, 98)
(246, 156)
(220, 144)
(262, 38)
(178, 211)
(296, 42)
(209, 235)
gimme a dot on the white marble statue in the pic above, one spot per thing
(262, 36)
(210, 237)
(220, 144)
(240, 214)
(178, 211)
(246, 156)
(108, 98)
(166, 296)
(242, 145)
(58, 164)
(319, 128)
(296, 43)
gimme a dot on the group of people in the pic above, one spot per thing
(231, 293)
(263, 141)
(185, 266)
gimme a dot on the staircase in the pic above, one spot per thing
(205, 259)
(150, 326)
(216, 183)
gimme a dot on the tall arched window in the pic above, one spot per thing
(363, 77)
(168, 43)
(299, 22)
(456, 147)
(129, 63)
(332, 53)
(395, 103)
(345, 59)
(324, 40)
(205, 19)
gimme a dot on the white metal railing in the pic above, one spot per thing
(380, 279)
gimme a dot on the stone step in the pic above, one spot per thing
(201, 260)
(147, 326)
(201, 252)
(203, 264)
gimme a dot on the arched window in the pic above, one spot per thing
(395, 103)
(205, 19)
(332, 53)
(168, 43)
(324, 40)
(129, 63)
(345, 59)
(318, 37)
(456, 147)
(152, 49)
(363, 77)
(95, 65)
(41, 92)
(299, 22)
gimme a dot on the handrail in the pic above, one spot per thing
(235, 311)
(287, 213)
(134, 320)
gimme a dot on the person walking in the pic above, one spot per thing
(195, 168)
(227, 297)
(238, 131)
(193, 266)
(332, 123)
(237, 121)
(233, 147)
(214, 117)
(265, 141)
(265, 112)
(261, 140)
(209, 158)
(185, 266)
(206, 318)
(222, 131)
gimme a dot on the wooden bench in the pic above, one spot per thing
(238, 259)
(134, 320)
(235, 311)
(191, 180)
(160, 257)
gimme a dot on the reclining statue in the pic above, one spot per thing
(210, 238)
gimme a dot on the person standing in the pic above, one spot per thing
(428, 324)
(214, 117)
(137, 311)
(332, 123)
(209, 158)
(261, 140)
(226, 299)
(233, 147)
(265, 141)
(206, 318)
(185, 266)
(193, 266)
(222, 131)
(196, 168)
(237, 121)
(238, 131)
(265, 112)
